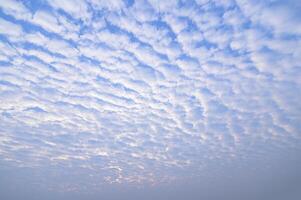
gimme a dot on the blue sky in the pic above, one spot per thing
(131, 99)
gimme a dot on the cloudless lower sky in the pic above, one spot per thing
(150, 100)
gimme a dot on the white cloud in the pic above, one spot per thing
(9, 29)
(151, 92)
(116, 5)
(75, 8)
(47, 21)
(15, 8)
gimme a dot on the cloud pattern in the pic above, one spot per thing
(147, 92)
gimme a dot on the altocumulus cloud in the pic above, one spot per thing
(199, 98)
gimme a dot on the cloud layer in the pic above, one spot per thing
(148, 92)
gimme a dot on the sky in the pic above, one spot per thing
(156, 99)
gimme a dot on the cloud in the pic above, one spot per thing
(16, 9)
(148, 92)
(77, 8)
(9, 29)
